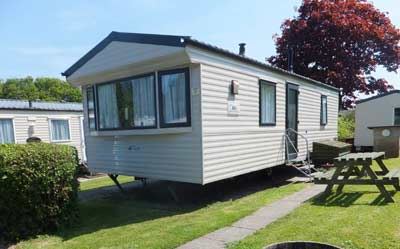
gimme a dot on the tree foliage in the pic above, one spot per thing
(341, 43)
(44, 88)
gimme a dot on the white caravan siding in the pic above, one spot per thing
(173, 156)
(22, 118)
(375, 112)
(234, 145)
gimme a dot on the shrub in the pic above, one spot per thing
(38, 188)
(346, 126)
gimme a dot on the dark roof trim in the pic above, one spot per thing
(36, 109)
(166, 40)
(253, 62)
(377, 96)
(383, 126)
(180, 41)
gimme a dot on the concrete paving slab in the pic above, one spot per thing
(230, 234)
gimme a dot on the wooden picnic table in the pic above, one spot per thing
(359, 165)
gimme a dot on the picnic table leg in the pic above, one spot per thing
(379, 185)
(335, 176)
(385, 170)
(346, 176)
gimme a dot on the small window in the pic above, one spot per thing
(174, 98)
(267, 103)
(90, 107)
(396, 116)
(324, 110)
(127, 104)
(6, 131)
(60, 130)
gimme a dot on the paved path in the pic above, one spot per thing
(256, 221)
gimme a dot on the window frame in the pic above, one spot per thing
(321, 110)
(121, 80)
(51, 130)
(394, 115)
(260, 83)
(94, 107)
(186, 71)
(13, 128)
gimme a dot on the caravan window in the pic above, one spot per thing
(174, 98)
(397, 116)
(60, 130)
(127, 104)
(267, 103)
(6, 131)
(90, 108)
(324, 110)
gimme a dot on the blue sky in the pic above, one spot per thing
(45, 37)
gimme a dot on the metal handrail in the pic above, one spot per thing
(287, 138)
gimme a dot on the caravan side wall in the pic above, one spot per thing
(41, 129)
(237, 144)
(169, 154)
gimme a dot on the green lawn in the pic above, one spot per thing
(354, 219)
(148, 218)
(103, 181)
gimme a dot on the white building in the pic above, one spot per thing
(174, 108)
(51, 122)
(380, 110)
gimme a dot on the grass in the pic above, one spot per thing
(352, 220)
(148, 218)
(103, 181)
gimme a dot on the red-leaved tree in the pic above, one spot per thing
(340, 43)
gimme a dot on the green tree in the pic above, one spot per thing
(44, 88)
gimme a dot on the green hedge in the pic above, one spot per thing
(38, 188)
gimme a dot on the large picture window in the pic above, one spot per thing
(6, 131)
(60, 130)
(324, 110)
(127, 104)
(397, 116)
(267, 103)
(174, 98)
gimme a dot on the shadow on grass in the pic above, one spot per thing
(162, 199)
(349, 199)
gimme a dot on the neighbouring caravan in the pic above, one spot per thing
(52, 122)
(380, 110)
(174, 108)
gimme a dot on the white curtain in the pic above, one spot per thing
(324, 110)
(143, 101)
(174, 98)
(267, 104)
(59, 130)
(90, 103)
(6, 131)
(108, 107)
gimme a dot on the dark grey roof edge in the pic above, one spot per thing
(16, 104)
(254, 62)
(377, 96)
(166, 40)
(180, 41)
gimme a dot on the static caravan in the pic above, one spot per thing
(174, 108)
(52, 122)
(380, 110)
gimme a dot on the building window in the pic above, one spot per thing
(60, 130)
(127, 104)
(324, 110)
(267, 93)
(396, 116)
(174, 98)
(6, 131)
(91, 108)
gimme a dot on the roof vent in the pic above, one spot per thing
(242, 49)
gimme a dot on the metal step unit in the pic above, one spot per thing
(304, 166)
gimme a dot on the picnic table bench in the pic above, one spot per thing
(359, 165)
